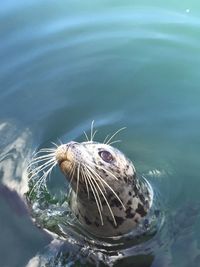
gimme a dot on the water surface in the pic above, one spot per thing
(120, 63)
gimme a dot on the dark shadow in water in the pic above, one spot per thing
(14, 201)
(20, 238)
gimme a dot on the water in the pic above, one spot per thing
(120, 63)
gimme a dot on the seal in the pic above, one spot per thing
(107, 197)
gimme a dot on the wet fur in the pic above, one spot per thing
(107, 198)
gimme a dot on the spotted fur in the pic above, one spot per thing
(126, 199)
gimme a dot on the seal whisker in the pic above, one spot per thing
(71, 174)
(49, 171)
(78, 178)
(107, 136)
(36, 161)
(112, 136)
(87, 139)
(43, 158)
(94, 134)
(36, 171)
(72, 171)
(55, 163)
(43, 150)
(108, 172)
(108, 187)
(98, 197)
(59, 140)
(92, 129)
(35, 185)
(108, 205)
(48, 174)
(85, 180)
(41, 179)
(55, 144)
(50, 153)
(94, 194)
(41, 167)
(47, 154)
(94, 173)
(113, 142)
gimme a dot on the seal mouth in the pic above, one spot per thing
(60, 154)
(60, 162)
(63, 153)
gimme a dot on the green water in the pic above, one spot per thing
(120, 63)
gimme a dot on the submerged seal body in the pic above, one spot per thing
(107, 197)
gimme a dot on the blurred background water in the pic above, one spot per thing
(120, 63)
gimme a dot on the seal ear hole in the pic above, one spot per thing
(106, 156)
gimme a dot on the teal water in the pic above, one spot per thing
(120, 63)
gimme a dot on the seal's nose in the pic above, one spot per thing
(64, 152)
(61, 154)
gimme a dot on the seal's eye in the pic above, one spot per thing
(106, 156)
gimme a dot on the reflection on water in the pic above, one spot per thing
(17, 228)
(13, 160)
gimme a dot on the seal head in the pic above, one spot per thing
(107, 197)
